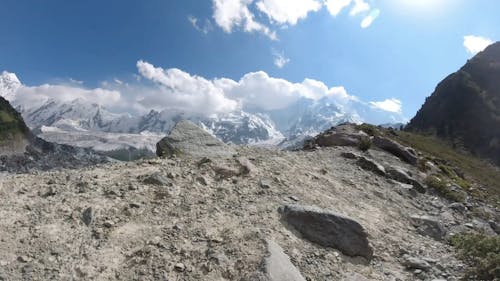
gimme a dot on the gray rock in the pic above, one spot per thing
(265, 183)
(350, 155)
(188, 139)
(494, 226)
(458, 207)
(247, 168)
(224, 172)
(416, 263)
(88, 216)
(371, 165)
(277, 265)
(428, 226)
(202, 180)
(328, 229)
(404, 153)
(402, 176)
(341, 135)
(156, 179)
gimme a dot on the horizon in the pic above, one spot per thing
(388, 54)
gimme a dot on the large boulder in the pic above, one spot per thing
(428, 226)
(371, 165)
(188, 139)
(341, 135)
(328, 229)
(406, 154)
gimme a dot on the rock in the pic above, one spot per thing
(494, 226)
(180, 267)
(224, 172)
(355, 277)
(188, 139)
(371, 165)
(156, 179)
(416, 263)
(202, 180)
(405, 153)
(402, 176)
(350, 155)
(23, 259)
(247, 168)
(428, 226)
(88, 216)
(458, 207)
(277, 265)
(328, 229)
(265, 183)
(341, 135)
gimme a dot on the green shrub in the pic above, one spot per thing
(365, 143)
(481, 252)
(442, 187)
(368, 129)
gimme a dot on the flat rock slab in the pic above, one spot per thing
(406, 154)
(188, 139)
(329, 229)
(428, 226)
(277, 265)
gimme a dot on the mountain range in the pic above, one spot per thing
(84, 124)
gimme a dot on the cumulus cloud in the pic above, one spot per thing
(286, 11)
(390, 105)
(229, 14)
(368, 20)
(181, 91)
(232, 14)
(280, 60)
(360, 6)
(475, 44)
(334, 7)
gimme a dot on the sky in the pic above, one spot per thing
(212, 56)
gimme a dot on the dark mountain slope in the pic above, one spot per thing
(14, 134)
(465, 107)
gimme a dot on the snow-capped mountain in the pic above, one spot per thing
(86, 124)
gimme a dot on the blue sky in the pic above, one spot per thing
(406, 50)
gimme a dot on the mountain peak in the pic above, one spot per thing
(9, 84)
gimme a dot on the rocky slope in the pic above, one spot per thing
(331, 213)
(465, 107)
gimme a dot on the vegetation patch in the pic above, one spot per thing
(481, 252)
(443, 187)
(365, 143)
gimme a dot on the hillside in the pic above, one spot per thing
(465, 107)
(14, 134)
(223, 212)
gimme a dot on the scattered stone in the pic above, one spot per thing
(277, 265)
(428, 226)
(265, 183)
(23, 259)
(202, 180)
(108, 224)
(416, 263)
(371, 165)
(494, 226)
(88, 216)
(350, 155)
(186, 138)
(247, 168)
(180, 267)
(156, 179)
(402, 176)
(225, 172)
(294, 198)
(328, 229)
(405, 153)
(458, 207)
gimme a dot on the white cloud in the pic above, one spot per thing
(368, 20)
(181, 91)
(336, 6)
(37, 96)
(360, 6)
(286, 11)
(205, 28)
(229, 14)
(475, 44)
(390, 105)
(280, 60)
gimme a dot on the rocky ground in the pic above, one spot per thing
(231, 218)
